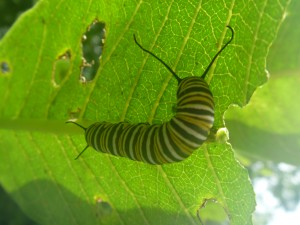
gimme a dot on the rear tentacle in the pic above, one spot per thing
(84, 128)
(82, 152)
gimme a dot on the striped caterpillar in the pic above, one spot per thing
(172, 141)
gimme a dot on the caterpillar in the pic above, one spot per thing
(172, 141)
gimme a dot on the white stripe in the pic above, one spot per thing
(148, 149)
(198, 106)
(186, 141)
(114, 137)
(208, 118)
(123, 138)
(160, 147)
(107, 145)
(169, 146)
(189, 130)
(131, 145)
(95, 138)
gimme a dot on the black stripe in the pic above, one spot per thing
(177, 148)
(152, 141)
(129, 134)
(162, 142)
(100, 128)
(109, 139)
(197, 112)
(135, 139)
(187, 135)
(197, 90)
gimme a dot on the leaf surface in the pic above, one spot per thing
(41, 90)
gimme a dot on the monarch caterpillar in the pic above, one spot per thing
(172, 141)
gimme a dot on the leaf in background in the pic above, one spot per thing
(268, 128)
(39, 95)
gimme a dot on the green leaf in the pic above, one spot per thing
(40, 90)
(269, 127)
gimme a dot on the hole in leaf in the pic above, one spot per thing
(5, 68)
(92, 47)
(211, 212)
(60, 68)
(74, 113)
(103, 208)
